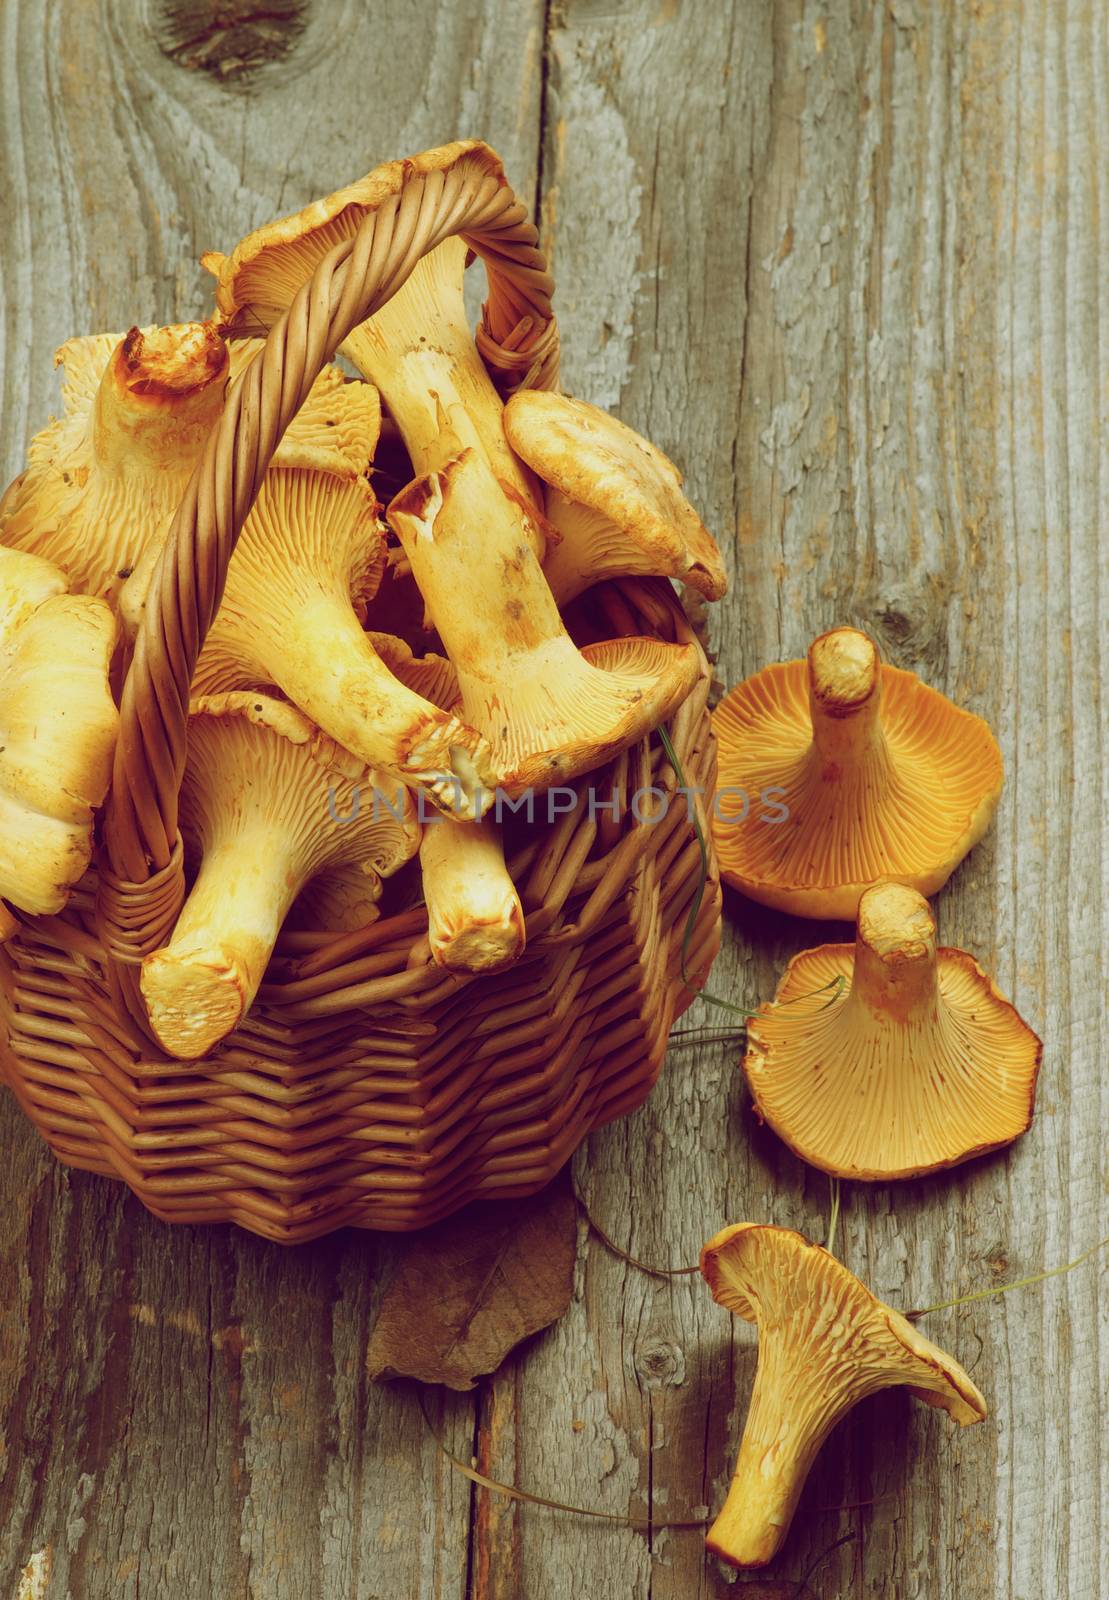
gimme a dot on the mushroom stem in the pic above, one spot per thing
(895, 975)
(420, 353)
(548, 712)
(326, 665)
(160, 394)
(780, 1443)
(844, 696)
(201, 984)
(475, 919)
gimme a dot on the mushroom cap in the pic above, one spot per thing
(431, 676)
(596, 461)
(265, 270)
(109, 473)
(919, 1063)
(880, 776)
(327, 531)
(336, 429)
(58, 727)
(825, 1343)
(844, 1336)
(784, 1283)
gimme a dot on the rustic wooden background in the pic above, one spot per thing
(846, 262)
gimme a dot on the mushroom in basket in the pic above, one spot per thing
(825, 1343)
(417, 348)
(268, 803)
(58, 726)
(310, 554)
(547, 711)
(475, 921)
(879, 777)
(108, 475)
(918, 1063)
(613, 499)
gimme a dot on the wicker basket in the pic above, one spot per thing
(367, 1087)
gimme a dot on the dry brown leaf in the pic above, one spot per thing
(468, 1290)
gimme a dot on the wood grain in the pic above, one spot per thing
(846, 263)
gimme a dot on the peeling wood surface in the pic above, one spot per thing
(846, 263)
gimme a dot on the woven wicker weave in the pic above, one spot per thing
(367, 1086)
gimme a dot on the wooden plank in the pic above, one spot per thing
(845, 263)
(187, 1412)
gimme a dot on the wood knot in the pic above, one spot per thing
(660, 1364)
(228, 39)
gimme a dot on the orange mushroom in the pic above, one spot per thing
(613, 498)
(825, 1343)
(917, 1063)
(838, 771)
(106, 477)
(417, 347)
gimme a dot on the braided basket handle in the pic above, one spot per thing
(141, 872)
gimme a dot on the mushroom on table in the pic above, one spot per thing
(873, 775)
(917, 1063)
(825, 1343)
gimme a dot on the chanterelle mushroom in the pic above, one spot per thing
(310, 554)
(267, 802)
(869, 774)
(417, 348)
(615, 500)
(108, 475)
(548, 713)
(918, 1063)
(475, 919)
(335, 431)
(825, 1343)
(58, 726)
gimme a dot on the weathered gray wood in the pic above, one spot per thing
(865, 310)
(845, 263)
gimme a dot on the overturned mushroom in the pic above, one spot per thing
(917, 1063)
(58, 726)
(825, 1343)
(614, 500)
(475, 919)
(869, 774)
(310, 553)
(548, 712)
(267, 803)
(335, 431)
(107, 476)
(417, 347)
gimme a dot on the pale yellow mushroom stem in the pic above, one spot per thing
(475, 919)
(199, 986)
(844, 696)
(419, 351)
(547, 712)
